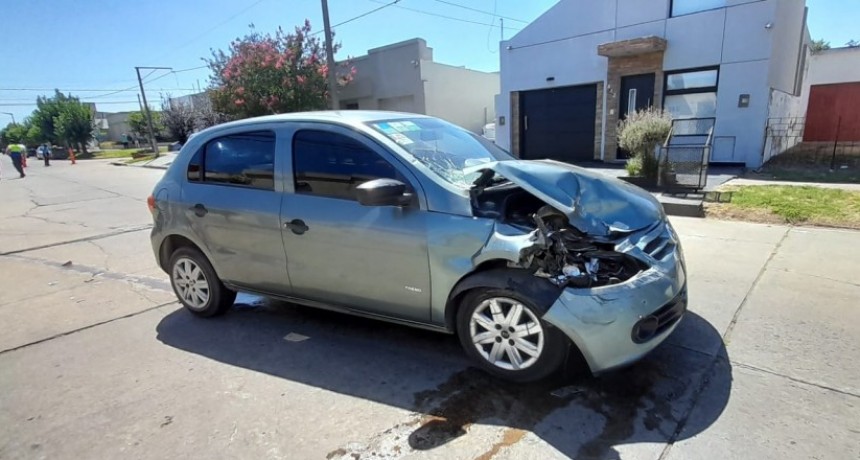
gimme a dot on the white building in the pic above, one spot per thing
(403, 77)
(575, 71)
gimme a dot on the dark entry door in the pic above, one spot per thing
(637, 93)
(558, 123)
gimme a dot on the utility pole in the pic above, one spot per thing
(502, 22)
(329, 53)
(11, 115)
(146, 107)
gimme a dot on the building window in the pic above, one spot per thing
(692, 93)
(333, 165)
(682, 7)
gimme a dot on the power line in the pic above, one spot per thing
(86, 90)
(482, 11)
(365, 14)
(33, 104)
(207, 31)
(444, 16)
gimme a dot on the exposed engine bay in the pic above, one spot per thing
(556, 251)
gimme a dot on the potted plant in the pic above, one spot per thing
(640, 134)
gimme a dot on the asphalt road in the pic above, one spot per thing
(97, 360)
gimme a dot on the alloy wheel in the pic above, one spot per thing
(191, 283)
(506, 333)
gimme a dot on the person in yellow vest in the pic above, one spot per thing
(15, 152)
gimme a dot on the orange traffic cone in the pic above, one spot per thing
(72, 155)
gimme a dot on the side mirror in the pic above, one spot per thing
(383, 192)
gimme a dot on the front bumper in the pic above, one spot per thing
(616, 325)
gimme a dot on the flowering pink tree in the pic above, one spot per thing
(265, 74)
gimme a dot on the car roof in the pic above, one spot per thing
(348, 117)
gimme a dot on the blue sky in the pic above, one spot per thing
(95, 44)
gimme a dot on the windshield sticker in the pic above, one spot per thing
(385, 128)
(400, 139)
(409, 126)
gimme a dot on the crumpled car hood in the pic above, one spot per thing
(593, 203)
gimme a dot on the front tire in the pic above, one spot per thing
(502, 331)
(196, 285)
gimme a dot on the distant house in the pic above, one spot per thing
(403, 77)
(195, 101)
(573, 73)
(114, 125)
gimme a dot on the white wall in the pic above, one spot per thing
(694, 40)
(840, 65)
(388, 72)
(788, 36)
(745, 125)
(462, 96)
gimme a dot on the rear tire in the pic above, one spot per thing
(196, 284)
(502, 331)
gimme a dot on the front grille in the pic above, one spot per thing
(659, 244)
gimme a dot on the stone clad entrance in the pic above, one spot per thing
(635, 70)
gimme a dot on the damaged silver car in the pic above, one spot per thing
(411, 219)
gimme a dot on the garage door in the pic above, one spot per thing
(833, 113)
(558, 123)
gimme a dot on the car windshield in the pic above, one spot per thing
(454, 154)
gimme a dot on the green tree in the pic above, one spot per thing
(817, 46)
(13, 133)
(48, 109)
(137, 123)
(34, 134)
(261, 74)
(852, 44)
(178, 119)
(75, 124)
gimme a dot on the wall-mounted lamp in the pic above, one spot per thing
(768, 26)
(509, 47)
(550, 78)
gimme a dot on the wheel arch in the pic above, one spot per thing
(496, 274)
(173, 242)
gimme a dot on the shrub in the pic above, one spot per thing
(641, 133)
(634, 166)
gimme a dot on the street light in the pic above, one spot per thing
(11, 115)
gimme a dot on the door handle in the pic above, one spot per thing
(526, 122)
(297, 226)
(199, 210)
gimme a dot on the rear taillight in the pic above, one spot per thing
(150, 203)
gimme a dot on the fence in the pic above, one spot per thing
(684, 157)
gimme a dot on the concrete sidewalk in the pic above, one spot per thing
(741, 181)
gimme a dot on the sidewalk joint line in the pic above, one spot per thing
(795, 379)
(63, 334)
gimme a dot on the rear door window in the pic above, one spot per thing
(242, 159)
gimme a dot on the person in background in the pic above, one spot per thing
(46, 154)
(15, 151)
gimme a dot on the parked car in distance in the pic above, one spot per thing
(489, 131)
(40, 152)
(410, 219)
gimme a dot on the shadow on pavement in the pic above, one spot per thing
(425, 372)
